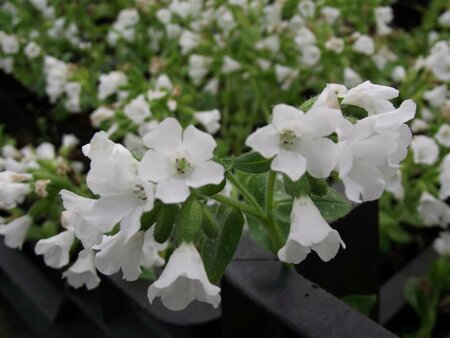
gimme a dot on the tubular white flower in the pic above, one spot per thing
(373, 98)
(83, 272)
(129, 255)
(425, 150)
(309, 231)
(76, 218)
(433, 211)
(124, 195)
(56, 249)
(16, 231)
(179, 160)
(183, 280)
(12, 189)
(297, 141)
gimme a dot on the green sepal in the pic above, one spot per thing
(189, 220)
(296, 188)
(308, 104)
(317, 186)
(165, 221)
(39, 208)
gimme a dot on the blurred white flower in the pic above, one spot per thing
(364, 45)
(188, 41)
(330, 14)
(230, 65)
(443, 135)
(425, 150)
(99, 115)
(110, 84)
(433, 211)
(436, 96)
(209, 119)
(335, 44)
(198, 67)
(444, 19)
(183, 280)
(32, 50)
(383, 17)
(351, 77)
(137, 110)
(398, 73)
(13, 189)
(307, 8)
(439, 60)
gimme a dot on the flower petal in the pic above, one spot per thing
(199, 145)
(319, 122)
(172, 190)
(290, 163)
(265, 141)
(156, 167)
(166, 137)
(284, 116)
(321, 156)
(205, 173)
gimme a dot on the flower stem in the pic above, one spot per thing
(276, 237)
(247, 195)
(231, 202)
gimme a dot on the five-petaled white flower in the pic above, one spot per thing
(297, 141)
(183, 280)
(124, 196)
(179, 160)
(309, 231)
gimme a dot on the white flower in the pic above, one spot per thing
(73, 91)
(395, 186)
(309, 231)
(371, 150)
(330, 14)
(364, 45)
(212, 87)
(75, 218)
(188, 41)
(56, 73)
(70, 141)
(297, 141)
(439, 60)
(383, 17)
(444, 178)
(32, 50)
(179, 160)
(335, 44)
(83, 272)
(7, 64)
(285, 76)
(16, 231)
(307, 8)
(419, 126)
(117, 253)
(99, 115)
(110, 84)
(433, 211)
(137, 110)
(45, 151)
(304, 37)
(351, 78)
(373, 98)
(398, 73)
(444, 19)
(443, 135)
(225, 19)
(271, 43)
(9, 43)
(163, 83)
(183, 280)
(209, 119)
(198, 67)
(124, 196)
(230, 65)
(442, 243)
(134, 144)
(436, 96)
(12, 189)
(164, 15)
(310, 55)
(56, 249)
(425, 150)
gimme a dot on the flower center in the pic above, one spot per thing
(182, 165)
(287, 137)
(140, 192)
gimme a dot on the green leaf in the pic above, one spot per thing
(259, 234)
(189, 220)
(297, 188)
(252, 162)
(282, 211)
(209, 225)
(165, 221)
(212, 189)
(217, 253)
(361, 303)
(256, 185)
(333, 205)
(317, 186)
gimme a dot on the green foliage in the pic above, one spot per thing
(333, 205)
(362, 303)
(252, 162)
(165, 221)
(189, 220)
